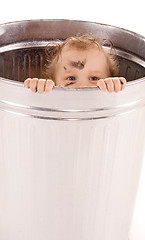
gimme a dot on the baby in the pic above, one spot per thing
(79, 62)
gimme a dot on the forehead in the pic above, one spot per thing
(94, 58)
(74, 53)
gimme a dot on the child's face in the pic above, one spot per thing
(81, 68)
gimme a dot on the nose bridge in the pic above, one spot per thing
(83, 80)
(83, 83)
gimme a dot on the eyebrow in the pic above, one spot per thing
(90, 73)
(69, 73)
(97, 73)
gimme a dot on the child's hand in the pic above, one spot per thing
(39, 85)
(112, 84)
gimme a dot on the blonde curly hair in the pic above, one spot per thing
(54, 49)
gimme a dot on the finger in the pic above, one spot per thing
(117, 84)
(33, 84)
(123, 83)
(101, 84)
(49, 85)
(41, 85)
(27, 82)
(109, 84)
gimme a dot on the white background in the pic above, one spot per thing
(125, 14)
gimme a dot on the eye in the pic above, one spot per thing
(93, 78)
(71, 78)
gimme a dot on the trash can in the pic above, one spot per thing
(70, 160)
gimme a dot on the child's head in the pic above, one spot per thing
(80, 61)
